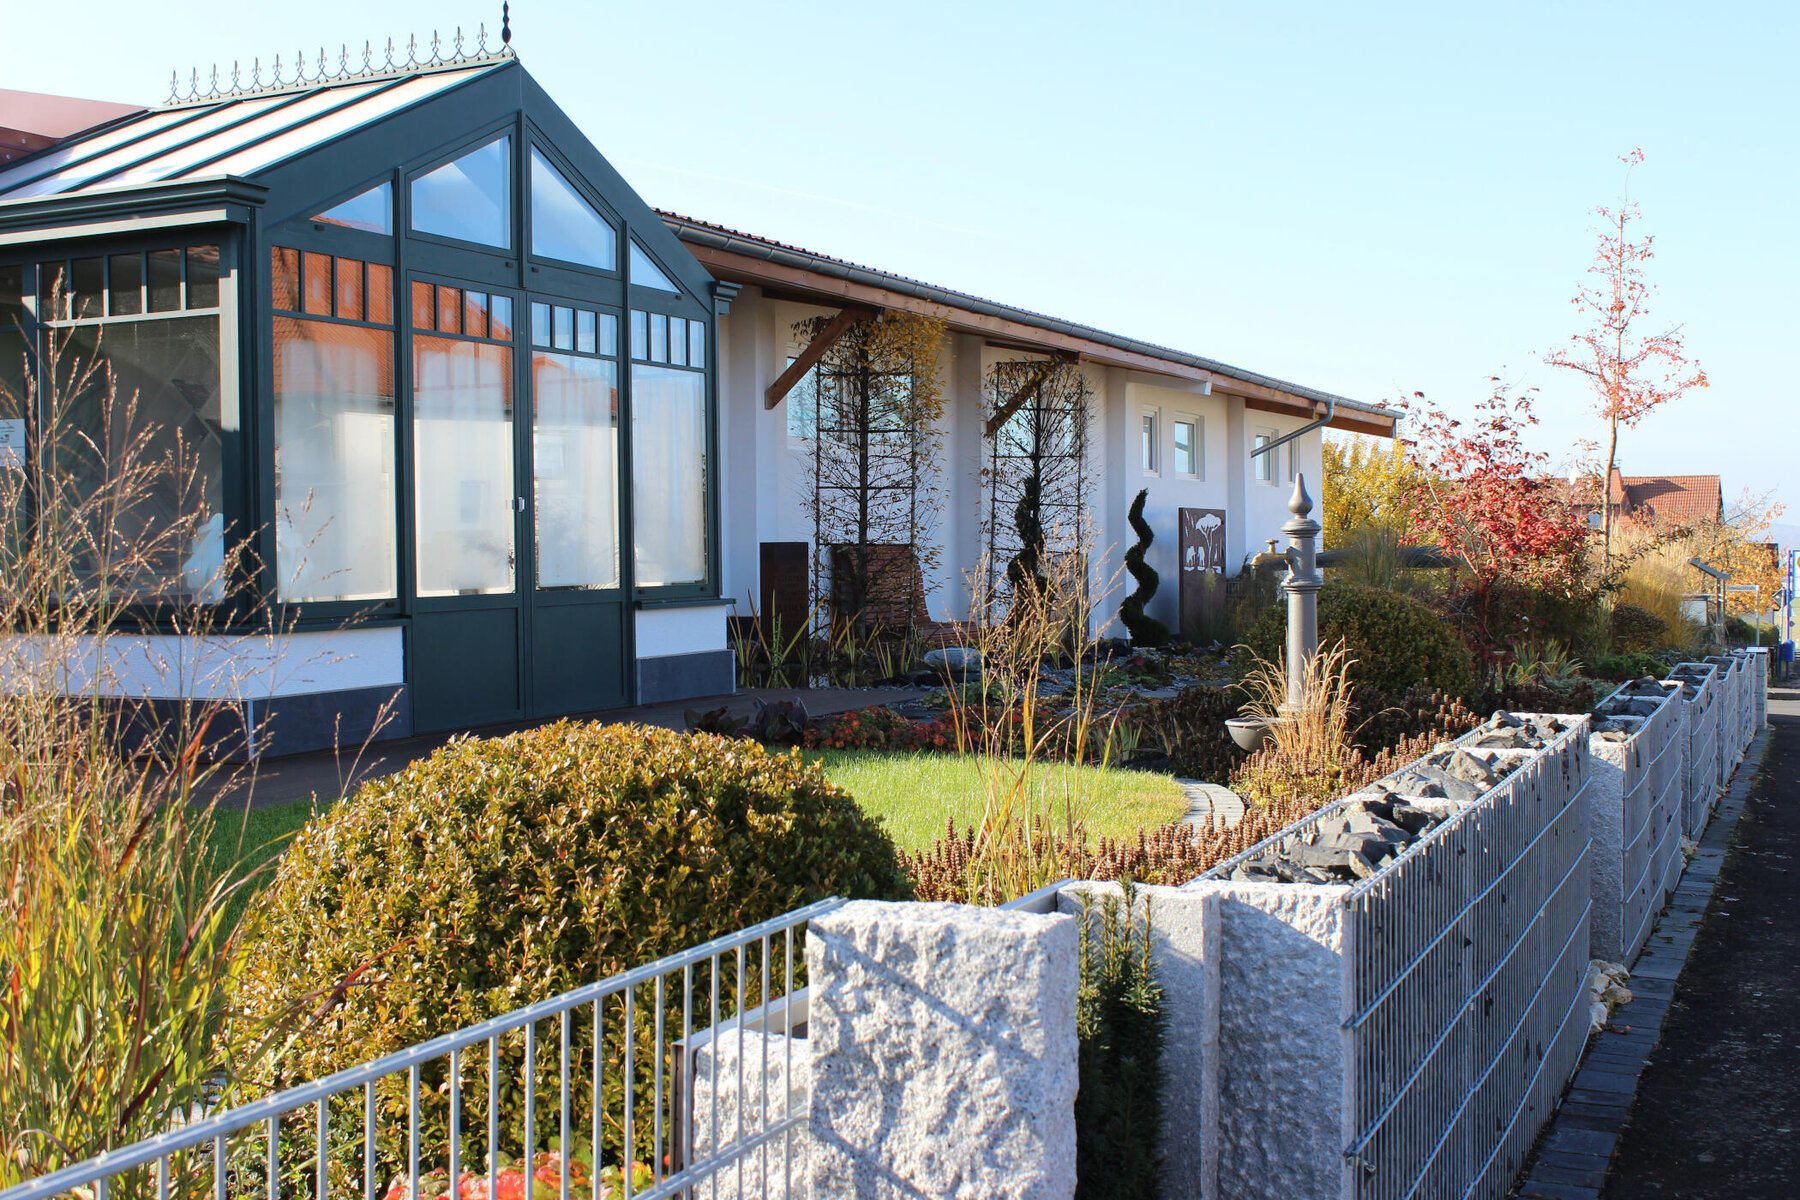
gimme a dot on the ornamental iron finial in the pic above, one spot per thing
(441, 55)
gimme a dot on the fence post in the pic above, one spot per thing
(943, 1052)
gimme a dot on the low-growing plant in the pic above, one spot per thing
(1121, 1024)
(1190, 728)
(715, 720)
(880, 728)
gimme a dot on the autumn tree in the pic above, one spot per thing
(1629, 371)
(1368, 483)
(1480, 495)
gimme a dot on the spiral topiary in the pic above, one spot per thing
(1145, 630)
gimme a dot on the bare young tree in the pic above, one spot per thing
(874, 492)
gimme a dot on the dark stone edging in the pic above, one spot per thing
(1578, 1142)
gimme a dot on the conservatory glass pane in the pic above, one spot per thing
(168, 372)
(126, 284)
(668, 451)
(334, 461)
(469, 199)
(203, 277)
(12, 364)
(645, 273)
(463, 466)
(373, 211)
(563, 224)
(575, 455)
(165, 280)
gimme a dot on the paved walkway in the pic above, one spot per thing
(1209, 803)
(1694, 1089)
(331, 774)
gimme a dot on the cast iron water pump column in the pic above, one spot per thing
(1302, 587)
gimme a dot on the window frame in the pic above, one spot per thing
(238, 421)
(437, 254)
(1264, 462)
(1197, 448)
(1150, 439)
(709, 588)
(544, 273)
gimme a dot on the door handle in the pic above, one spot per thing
(519, 503)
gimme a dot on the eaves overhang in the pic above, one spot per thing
(105, 213)
(745, 259)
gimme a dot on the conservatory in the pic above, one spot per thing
(430, 365)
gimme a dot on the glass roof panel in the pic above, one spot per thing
(77, 151)
(380, 99)
(469, 198)
(563, 224)
(645, 273)
(372, 210)
(258, 132)
(152, 147)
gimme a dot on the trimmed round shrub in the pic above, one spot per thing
(499, 872)
(1397, 642)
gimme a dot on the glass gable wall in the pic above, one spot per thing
(475, 405)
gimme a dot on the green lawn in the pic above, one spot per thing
(253, 838)
(913, 794)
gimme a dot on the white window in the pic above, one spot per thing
(1189, 447)
(1293, 461)
(1151, 448)
(1265, 462)
(803, 406)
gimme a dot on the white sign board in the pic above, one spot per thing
(12, 443)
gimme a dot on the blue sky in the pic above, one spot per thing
(1372, 199)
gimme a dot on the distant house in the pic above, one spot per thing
(1665, 501)
(507, 442)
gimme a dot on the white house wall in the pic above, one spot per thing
(766, 473)
(219, 667)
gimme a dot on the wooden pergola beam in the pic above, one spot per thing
(1017, 400)
(815, 350)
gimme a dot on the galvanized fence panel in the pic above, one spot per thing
(1702, 718)
(1468, 969)
(685, 1077)
(1647, 767)
(1471, 955)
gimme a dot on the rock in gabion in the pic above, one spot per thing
(1366, 830)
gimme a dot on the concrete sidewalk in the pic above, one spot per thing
(328, 775)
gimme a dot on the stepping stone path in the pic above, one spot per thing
(1209, 802)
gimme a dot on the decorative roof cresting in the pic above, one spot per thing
(310, 73)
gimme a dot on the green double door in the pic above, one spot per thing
(519, 604)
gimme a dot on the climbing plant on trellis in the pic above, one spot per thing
(874, 487)
(1036, 473)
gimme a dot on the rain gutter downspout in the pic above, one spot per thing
(1284, 439)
